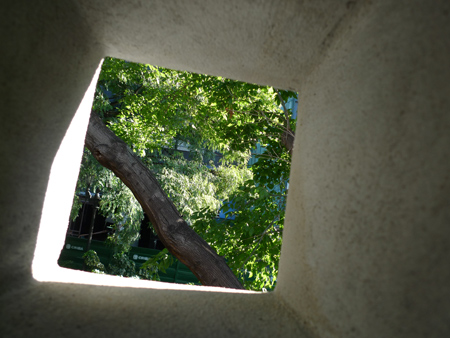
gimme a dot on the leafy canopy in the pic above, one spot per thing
(157, 112)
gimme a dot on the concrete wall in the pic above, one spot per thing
(367, 240)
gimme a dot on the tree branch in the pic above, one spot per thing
(181, 241)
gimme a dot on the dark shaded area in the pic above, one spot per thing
(148, 239)
(102, 228)
(80, 227)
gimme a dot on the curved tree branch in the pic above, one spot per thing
(186, 245)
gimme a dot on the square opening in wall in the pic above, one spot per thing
(183, 179)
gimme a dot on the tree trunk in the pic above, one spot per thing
(181, 241)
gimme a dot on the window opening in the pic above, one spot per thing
(220, 149)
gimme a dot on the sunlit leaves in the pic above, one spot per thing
(251, 234)
(193, 186)
(152, 105)
(157, 111)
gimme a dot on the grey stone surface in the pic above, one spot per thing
(366, 243)
(370, 194)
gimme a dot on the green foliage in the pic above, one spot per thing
(251, 235)
(193, 186)
(161, 262)
(76, 206)
(117, 201)
(122, 265)
(120, 205)
(92, 262)
(157, 112)
(155, 108)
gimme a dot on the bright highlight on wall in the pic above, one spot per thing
(59, 194)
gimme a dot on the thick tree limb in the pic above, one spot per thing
(188, 247)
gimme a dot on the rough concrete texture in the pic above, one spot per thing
(367, 242)
(371, 177)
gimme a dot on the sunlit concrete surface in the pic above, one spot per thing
(367, 237)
